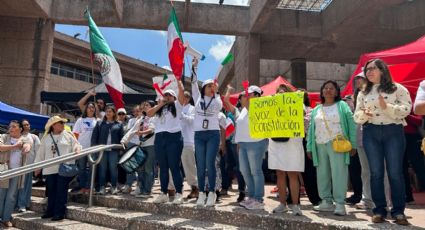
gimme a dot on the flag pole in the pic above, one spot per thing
(91, 60)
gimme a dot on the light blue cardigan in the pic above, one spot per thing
(347, 125)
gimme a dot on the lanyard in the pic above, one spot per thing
(206, 107)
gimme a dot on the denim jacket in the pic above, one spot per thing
(101, 132)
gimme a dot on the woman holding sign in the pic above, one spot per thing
(208, 105)
(332, 119)
(286, 156)
(251, 151)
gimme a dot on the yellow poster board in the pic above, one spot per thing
(281, 115)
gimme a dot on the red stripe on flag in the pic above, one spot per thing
(116, 96)
(165, 85)
(176, 56)
(156, 87)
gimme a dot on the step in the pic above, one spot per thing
(32, 221)
(228, 213)
(133, 220)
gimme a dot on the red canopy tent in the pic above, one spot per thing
(270, 89)
(406, 64)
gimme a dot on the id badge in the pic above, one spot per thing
(205, 124)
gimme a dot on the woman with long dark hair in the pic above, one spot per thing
(108, 131)
(83, 130)
(208, 105)
(328, 120)
(382, 107)
(169, 142)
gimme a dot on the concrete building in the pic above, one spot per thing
(302, 33)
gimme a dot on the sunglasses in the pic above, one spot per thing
(121, 114)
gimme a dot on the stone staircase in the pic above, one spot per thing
(127, 212)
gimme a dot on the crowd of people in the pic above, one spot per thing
(187, 129)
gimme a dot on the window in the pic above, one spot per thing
(66, 70)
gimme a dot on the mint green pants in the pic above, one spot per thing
(332, 174)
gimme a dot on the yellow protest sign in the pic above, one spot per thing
(281, 115)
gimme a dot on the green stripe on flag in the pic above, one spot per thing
(227, 59)
(97, 41)
(173, 19)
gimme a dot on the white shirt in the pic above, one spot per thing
(187, 118)
(35, 144)
(66, 143)
(84, 128)
(420, 95)
(242, 127)
(399, 105)
(323, 134)
(15, 160)
(206, 108)
(132, 137)
(167, 122)
(131, 131)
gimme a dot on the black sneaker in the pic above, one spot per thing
(241, 197)
(352, 200)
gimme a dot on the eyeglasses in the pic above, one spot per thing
(13, 126)
(371, 68)
(119, 114)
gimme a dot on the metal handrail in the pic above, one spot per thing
(63, 159)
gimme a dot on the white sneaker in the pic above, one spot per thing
(296, 210)
(246, 202)
(282, 208)
(211, 199)
(178, 199)
(162, 198)
(255, 205)
(135, 192)
(126, 189)
(114, 190)
(324, 207)
(340, 210)
(201, 199)
(102, 191)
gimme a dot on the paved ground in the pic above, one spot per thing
(415, 213)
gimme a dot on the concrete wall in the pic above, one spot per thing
(62, 84)
(317, 73)
(25, 58)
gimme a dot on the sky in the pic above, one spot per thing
(151, 46)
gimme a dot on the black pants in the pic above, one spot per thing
(58, 194)
(355, 172)
(416, 157)
(310, 181)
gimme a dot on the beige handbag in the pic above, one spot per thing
(340, 144)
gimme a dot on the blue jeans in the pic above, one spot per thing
(24, 194)
(83, 173)
(145, 175)
(108, 164)
(385, 145)
(8, 199)
(251, 156)
(58, 194)
(206, 149)
(168, 151)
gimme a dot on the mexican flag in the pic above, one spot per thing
(175, 45)
(109, 68)
(230, 127)
(164, 82)
(225, 61)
